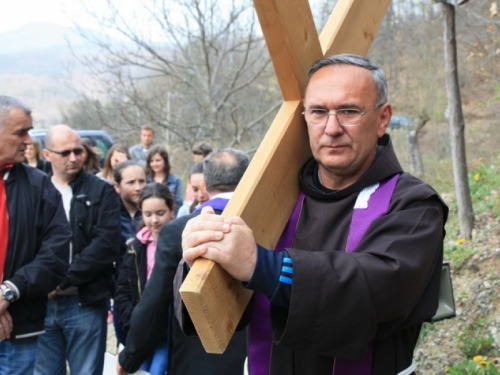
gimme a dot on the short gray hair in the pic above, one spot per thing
(7, 104)
(223, 169)
(377, 73)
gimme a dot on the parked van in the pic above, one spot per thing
(102, 139)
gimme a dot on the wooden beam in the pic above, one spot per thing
(352, 26)
(269, 189)
(214, 300)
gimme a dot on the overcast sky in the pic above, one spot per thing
(15, 14)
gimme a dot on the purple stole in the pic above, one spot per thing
(371, 204)
(216, 204)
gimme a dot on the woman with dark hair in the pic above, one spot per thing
(33, 157)
(157, 204)
(90, 158)
(158, 170)
(117, 153)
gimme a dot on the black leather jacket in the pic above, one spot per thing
(95, 222)
(38, 247)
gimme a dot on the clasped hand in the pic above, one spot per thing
(227, 241)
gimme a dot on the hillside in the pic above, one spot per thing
(36, 64)
(452, 344)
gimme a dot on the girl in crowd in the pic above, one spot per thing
(33, 157)
(90, 158)
(158, 170)
(157, 206)
(117, 153)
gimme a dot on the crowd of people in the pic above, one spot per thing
(84, 237)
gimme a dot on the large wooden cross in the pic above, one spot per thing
(269, 189)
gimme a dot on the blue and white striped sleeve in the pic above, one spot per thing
(273, 276)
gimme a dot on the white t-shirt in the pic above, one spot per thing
(67, 195)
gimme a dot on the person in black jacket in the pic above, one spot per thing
(130, 180)
(157, 205)
(34, 242)
(223, 170)
(77, 311)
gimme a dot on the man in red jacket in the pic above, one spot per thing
(34, 242)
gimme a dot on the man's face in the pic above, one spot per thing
(14, 137)
(65, 167)
(130, 187)
(344, 153)
(199, 187)
(147, 137)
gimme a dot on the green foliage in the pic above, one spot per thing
(426, 328)
(474, 367)
(475, 339)
(457, 254)
(484, 182)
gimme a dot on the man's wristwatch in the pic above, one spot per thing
(7, 293)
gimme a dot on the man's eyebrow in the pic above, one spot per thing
(24, 130)
(316, 106)
(342, 106)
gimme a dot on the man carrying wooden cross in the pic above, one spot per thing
(357, 269)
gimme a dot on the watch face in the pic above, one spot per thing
(8, 294)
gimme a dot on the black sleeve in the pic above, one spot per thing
(124, 300)
(149, 320)
(50, 262)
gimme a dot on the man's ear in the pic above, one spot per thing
(46, 154)
(385, 114)
(117, 188)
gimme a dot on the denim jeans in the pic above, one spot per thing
(17, 357)
(74, 333)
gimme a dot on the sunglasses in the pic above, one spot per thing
(77, 151)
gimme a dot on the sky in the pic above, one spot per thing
(15, 14)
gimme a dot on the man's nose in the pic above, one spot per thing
(333, 126)
(27, 139)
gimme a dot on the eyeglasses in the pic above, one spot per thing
(347, 117)
(65, 153)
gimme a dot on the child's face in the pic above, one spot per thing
(155, 214)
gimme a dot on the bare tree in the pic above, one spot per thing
(416, 163)
(456, 121)
(200, 70)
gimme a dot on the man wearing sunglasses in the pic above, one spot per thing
(77, 310)
(353, 278)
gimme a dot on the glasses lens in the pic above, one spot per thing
(349, 117)
(316, 116)
(66, 153)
